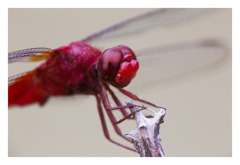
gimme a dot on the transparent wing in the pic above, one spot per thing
(158, 18)
(179, 61)
(164, 64)
(15, 78)
(32, 54)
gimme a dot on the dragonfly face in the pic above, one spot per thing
(118, 66)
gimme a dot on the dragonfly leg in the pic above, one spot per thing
(112, 117)
(107, 106)
(106, 101)
(104, 126)
(124, 112)
(134, 97)
(119, 104)
(128, 116)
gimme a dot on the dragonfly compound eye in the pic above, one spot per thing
(118, 66)
(109, 64)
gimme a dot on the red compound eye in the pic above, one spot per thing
(109, 63)
(127, 51)
(118, 66)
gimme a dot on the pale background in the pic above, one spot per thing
(199, 116)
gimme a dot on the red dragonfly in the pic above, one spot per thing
(79, 68)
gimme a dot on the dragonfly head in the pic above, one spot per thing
(117, 66)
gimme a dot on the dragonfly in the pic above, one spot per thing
(79, 68)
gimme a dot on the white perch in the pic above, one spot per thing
(146, 136)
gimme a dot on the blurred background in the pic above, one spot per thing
(199, 104)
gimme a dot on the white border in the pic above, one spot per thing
(110, 3)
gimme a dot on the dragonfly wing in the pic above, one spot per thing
(167, 64)
(32, 54)
(26, 88)
(16, 78)
(158, 18)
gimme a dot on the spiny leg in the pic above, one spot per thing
(134, 97)
(124, 112)
(104, 126)
(106, 100)
(119, 104)
(106, 103)
(112, 118)
(129, 116)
